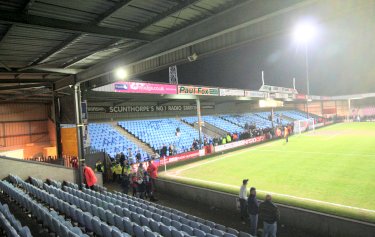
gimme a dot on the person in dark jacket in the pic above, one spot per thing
(253, 210)
(270, 214)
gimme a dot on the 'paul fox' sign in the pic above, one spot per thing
(198, 90)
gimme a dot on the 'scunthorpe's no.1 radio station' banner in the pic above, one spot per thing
(198, 90)
(144, 88)
(231, 92)
(145, 108)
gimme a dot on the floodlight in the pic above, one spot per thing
(305, 32)
(121, 73)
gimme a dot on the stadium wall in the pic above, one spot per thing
(39, 170)
(25, 127)
(311, 221)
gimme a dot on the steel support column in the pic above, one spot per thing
(56, 112)
(199, 120)
(79, 126)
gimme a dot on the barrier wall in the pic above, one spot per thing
(39, 170)
(314, 222)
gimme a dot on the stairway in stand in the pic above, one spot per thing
(133, 139)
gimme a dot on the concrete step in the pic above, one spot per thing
(205, 129)
(133, 139)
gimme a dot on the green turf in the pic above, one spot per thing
(335, 164)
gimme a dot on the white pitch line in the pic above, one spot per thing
(319, 153)
(279, 194)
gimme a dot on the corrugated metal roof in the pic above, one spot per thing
(71, 10)
(12, 5)
(24, 45)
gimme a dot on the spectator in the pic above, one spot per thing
(229, 138)
(99, 166)
(224, 141)
(74, 162)
(122, 159)
(140, 181)
(152, 170)
(253, 210)
(125, 182)
(171, 150)
(134, 184)
(117, 170)
(138, 156)
(243, 198)
(270, 214)
(89, 175)
(163, 151)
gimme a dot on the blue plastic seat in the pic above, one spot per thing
(199, 233)
(106, 229)
(96, 223)
(128, 226)
(138, 231)
(165, 231)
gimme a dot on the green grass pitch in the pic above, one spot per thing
(331, 170)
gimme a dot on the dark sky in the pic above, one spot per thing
(341, 61)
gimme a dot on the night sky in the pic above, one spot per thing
(341, 61)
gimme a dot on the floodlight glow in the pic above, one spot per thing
(305, 32)
(121, 73)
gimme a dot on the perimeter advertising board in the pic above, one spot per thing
(144, 88)
(198, 90)
(240, 143)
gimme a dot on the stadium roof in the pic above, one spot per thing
(48, 45)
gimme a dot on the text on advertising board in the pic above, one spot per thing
(239, 143)
(144, 88)
(193, 90)
(145, 108)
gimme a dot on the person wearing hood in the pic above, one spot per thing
(253, 210)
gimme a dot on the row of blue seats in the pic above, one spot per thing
(11, 225)
(159, 219)
(248, 118)
(217, 122)
(104, 137)
(89, 223)
(159, 132)
(49, 219)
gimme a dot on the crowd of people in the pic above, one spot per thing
(138, 180)
(250, 209)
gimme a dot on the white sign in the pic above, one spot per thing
(269, 103)
(277, 89)
(257, 94)
(231, 92)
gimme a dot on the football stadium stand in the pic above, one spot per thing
(159, 132)
(105, 138)
(156, 133)
(86, 212)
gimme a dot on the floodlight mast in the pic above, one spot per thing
(303, 34)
